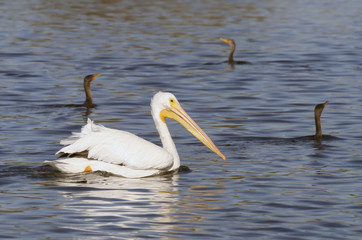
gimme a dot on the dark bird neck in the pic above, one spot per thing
(231, 54)
(88, 94)
(317, 118)
(318, 127)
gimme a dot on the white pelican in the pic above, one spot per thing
(97, 148)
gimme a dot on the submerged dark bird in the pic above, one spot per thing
(88, 93)
(318, 128)
(317, 118)
(88, 103)
(231, 54)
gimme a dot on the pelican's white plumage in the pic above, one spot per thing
(112, 146)
(125, 154)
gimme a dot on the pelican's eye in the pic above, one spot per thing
(172, 102)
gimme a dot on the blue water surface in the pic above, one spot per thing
(273, 185)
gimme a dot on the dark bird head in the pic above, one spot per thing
(90, 78)
(232, 45)
(228, 41)
(319, 108)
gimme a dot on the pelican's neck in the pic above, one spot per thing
(318, 127)
(166, 139)
(231, 59)
(88, 94)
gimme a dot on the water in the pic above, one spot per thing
(271, 186)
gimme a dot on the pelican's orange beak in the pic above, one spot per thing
(177, 113)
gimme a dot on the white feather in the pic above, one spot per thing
(78, 165)
(117, 147)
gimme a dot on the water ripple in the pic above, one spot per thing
(277, 182)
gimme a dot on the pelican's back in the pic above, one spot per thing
(117, 147)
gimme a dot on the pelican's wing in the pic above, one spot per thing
(117, 147)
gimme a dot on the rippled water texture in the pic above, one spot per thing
(273, 185)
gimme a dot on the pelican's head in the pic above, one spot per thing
(165, 105)
(228, 41)
(90, 78)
